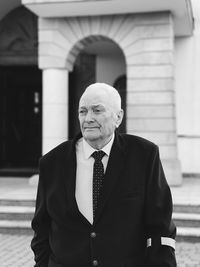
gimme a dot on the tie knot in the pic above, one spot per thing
(98, 155)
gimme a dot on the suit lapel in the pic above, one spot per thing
(113, 170)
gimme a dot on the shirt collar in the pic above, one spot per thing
(88, 149)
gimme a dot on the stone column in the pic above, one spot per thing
(55, 108)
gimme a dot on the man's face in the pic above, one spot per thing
(96, 116)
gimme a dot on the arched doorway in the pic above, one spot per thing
(82, 75)
(20, 94)
(99, 61)
(120, 85)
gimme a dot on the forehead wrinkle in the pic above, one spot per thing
(92, 107)
(96, 105)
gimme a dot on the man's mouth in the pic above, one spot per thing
(90, 127)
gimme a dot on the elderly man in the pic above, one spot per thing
(103, 199)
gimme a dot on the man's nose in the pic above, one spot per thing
(89, 116)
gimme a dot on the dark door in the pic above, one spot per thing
(20, 123)
(82, 75)
(120, 85)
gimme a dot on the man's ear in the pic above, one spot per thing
(119, 119)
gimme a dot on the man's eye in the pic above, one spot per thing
(97, 110)
(82, 111)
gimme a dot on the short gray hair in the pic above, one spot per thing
(112, 93)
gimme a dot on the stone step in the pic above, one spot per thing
(16, 212)
(188, 234)
(16, 216)
(191, 234)
(186, 208)
(186, 219)
(17, 202)
(16, 227)
(31, 202)
(26, 213)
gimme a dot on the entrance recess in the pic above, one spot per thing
(20, 94)
(82, 75)
(20, 109)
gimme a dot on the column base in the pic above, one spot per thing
(172, 169)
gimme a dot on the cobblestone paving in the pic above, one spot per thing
(15, 252)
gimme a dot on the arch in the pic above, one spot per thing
(82, 44)
(19, 38)
(85, 30)
(90, 65)
(94, 29)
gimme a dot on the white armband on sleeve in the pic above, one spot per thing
(165, 241)
(149, 242)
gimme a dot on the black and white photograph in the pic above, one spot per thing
(99, 133)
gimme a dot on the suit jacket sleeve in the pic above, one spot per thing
(40, 224)
(159, 224)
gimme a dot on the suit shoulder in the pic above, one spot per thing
(57, 151)
(134, 140)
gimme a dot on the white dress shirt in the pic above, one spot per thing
(84, 175)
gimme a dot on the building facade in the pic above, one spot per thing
(136, 46)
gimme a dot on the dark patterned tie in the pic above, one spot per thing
(98, 175)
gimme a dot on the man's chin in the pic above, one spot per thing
(90, 135)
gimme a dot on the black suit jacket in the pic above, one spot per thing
(135, 205)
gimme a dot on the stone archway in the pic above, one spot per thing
(147, 41)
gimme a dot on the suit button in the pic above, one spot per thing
(93, 234)
(95, 262)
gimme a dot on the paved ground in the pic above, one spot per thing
(15, 252)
